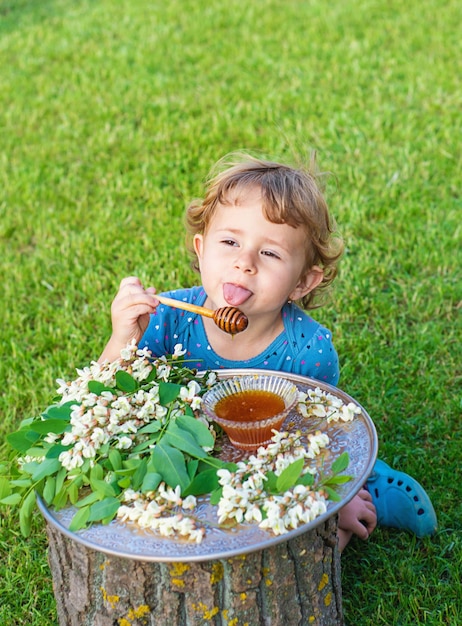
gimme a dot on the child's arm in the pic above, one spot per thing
(130, 312)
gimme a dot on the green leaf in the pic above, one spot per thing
(73, 492)
(21, 440)
(288, 477)
(146, 444)
(36, 452)
(104, 449)
(11, 500)
(215, 496)
(55, 450)
(60, 412)
(55, 426)
(192, 466)
(49, 489)
(96, 387)
(170, 463)
(5, 487)
(183, 440)
(96, 473)
(219, 464)
(198, 430)
(90, 499)
(80, 519)
(152, 427)
(151, 377)
(21, 482)
(25, 513)
(151, 481)
(60, 478)
(30, 467)
(333, 495)
(204, 482)
(130, 464)
(60, 499)
(46, 468)
(124, 483)
(271, 482)
(168, 392)
(115, 459)
(341, 463)
(306, 479)
(102, 488)
(337, 480)
(129, 471)
(139, 475)
(104, 509)
(125, 382)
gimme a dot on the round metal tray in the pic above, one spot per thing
(358, 438)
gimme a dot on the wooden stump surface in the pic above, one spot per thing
(293, 583)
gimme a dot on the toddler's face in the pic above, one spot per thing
(251, 263)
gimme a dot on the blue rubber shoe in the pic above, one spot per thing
(400, 501)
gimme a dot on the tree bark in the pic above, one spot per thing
(293, 583)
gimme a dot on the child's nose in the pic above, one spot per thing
(246, 262)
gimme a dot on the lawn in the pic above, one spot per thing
(112, 113)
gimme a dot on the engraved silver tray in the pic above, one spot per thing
(358, 438)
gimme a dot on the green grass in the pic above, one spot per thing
(112, 113)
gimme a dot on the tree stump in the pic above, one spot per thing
(293, 583)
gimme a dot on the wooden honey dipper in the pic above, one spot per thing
(228, 318)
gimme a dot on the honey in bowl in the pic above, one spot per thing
(249, 406)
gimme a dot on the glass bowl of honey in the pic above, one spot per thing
(249, 408)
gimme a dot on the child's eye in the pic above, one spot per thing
(229, 242)
(271, 254)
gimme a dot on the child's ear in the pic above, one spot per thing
(198, 243)
(307, 283)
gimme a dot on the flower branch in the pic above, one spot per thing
(127, 439)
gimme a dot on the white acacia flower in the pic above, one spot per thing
(211, 379)
(51, 438)
(131, 495)
(317, 441)
(29, 459)
(189, 503)
(89, 451)
(124, 443)
(193, 390)
(170, 494)
(161, 411)
(178, 351)
(126, 353)
(163, 371)
(69, 460)
(130, 426)
(253, 514)
(99, 437)
(68, 439)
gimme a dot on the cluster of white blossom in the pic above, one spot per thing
(252, 493)
(163, 511)
(244, 496)
(320, 403)
(133, 360)
(113, 416)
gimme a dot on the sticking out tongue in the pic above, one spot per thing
(235, 295)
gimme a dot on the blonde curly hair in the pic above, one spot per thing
(290, 195)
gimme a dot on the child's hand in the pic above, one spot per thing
(358, 516)
(130, 312)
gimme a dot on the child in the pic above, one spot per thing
(262, 239)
